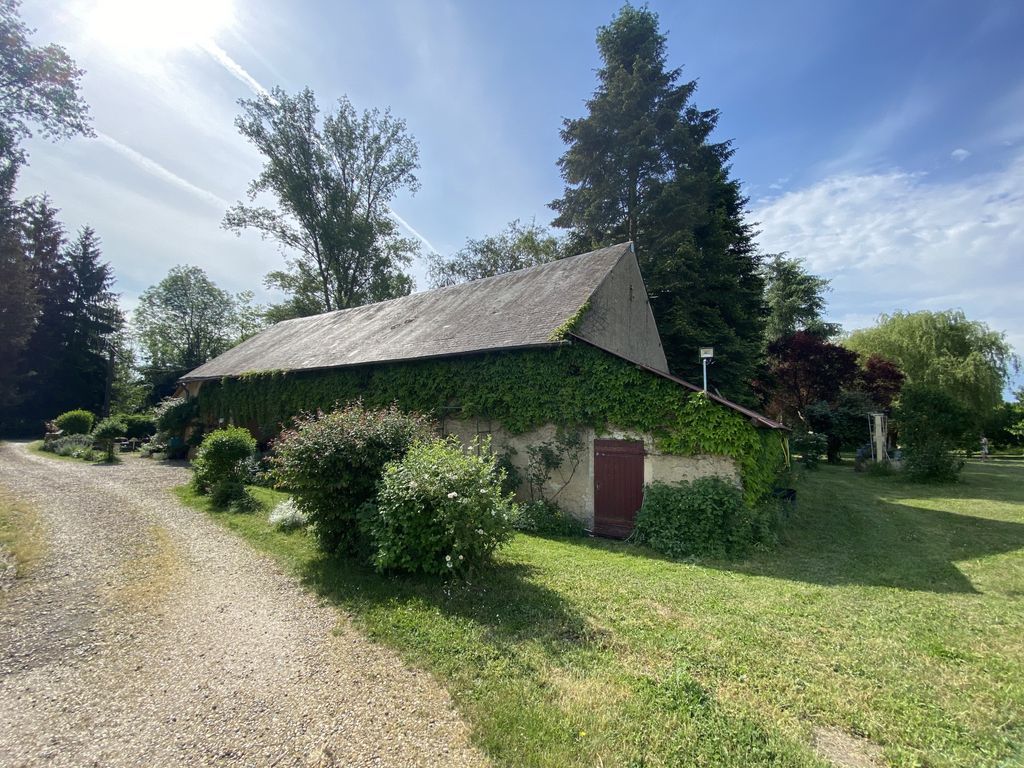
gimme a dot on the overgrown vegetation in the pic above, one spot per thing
(890, 610)
(706, 516)
(575, 384)
(331, 464)
(440, 509)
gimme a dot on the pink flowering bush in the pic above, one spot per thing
(440, 509)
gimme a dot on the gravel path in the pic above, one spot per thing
(149, 636)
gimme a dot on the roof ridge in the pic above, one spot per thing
(461, 286)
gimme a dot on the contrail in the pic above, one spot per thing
(237, 70)
(151, 166)
(221, 57)
(410, 228)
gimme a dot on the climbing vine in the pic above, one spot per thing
(575, 385)
(562, 332)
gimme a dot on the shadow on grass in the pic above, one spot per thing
(502, 603)
(852, 529)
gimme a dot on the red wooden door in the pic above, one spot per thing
(618, 486)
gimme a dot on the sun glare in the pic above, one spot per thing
(159, 25)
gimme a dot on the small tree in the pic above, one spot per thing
(107, 432)
(931, 425)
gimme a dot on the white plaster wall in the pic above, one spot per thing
(574, 491)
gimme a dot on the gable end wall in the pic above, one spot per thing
(620, 319)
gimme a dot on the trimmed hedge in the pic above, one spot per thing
(140, 425)
(219, 466)
(107, 431)
(77, 422)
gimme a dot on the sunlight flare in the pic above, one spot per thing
(161, 25)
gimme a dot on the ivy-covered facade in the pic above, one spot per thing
(568, 346)
(575, 385)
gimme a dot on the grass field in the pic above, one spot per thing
(890, 611)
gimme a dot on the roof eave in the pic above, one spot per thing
(393, 361)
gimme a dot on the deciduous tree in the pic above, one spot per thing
(332, 181)
(184, 320)
(518, 246)
(39, 86)
(965, 359)
(805, 369)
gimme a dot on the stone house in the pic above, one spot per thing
(477, 356)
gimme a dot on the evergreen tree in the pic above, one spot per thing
(94, 318)
(19, 303)
(641, 166)
(64, 365)
(44, 244)
(795, 299)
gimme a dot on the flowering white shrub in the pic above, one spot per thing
(287, 515)
(440, 509)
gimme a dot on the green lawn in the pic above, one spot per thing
(890, 611)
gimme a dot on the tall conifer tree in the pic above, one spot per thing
(641, 166)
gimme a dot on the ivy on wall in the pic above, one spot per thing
(573, 385)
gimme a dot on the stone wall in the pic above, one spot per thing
(573, 490)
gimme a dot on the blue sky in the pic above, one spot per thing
(882, 142)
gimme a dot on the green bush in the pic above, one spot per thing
(107, 431)
(76, 446)
(546, 519)
(174, 414)
(931, 425)
(221, 460)
(440, 510)
(810, 446)
(140, 425)
(703, 517)
(331, 464)
(77, 422)
(232, 494)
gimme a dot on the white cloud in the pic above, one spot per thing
(960, 154)
(898, 240)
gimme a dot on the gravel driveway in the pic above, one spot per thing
(149, 636)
